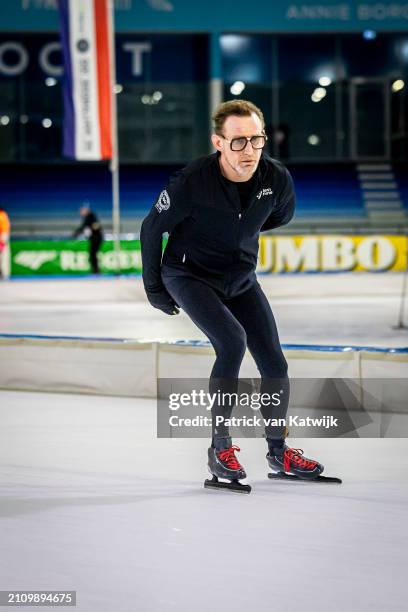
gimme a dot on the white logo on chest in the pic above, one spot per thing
(163, 201)
(265, 192)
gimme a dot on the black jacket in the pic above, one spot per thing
(210, 237)
(90, 226)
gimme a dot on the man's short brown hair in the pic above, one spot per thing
(241, 108)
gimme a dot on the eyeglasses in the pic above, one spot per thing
(239, 144)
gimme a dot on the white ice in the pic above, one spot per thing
(92, 501)
(357, 309)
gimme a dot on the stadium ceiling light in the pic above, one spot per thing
(23, 119)
(325, 81)
(234, 43)
(118, 88)
(318, 94)
(403, 50)
(313, 140)
(153, 99)
(369, 34)
(46, 122)
(237, 88)
(4, 120)
(397, 85)
(50, 81)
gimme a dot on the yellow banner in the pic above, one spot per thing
(333, 253)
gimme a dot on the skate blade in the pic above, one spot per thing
(233, 486)
(320, 478)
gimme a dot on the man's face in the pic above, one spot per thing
(242, 163)
(83, 211)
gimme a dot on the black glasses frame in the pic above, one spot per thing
(248, 139)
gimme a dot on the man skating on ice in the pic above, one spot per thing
(214, 210)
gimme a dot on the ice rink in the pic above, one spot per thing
(92, 501)
(356, 309)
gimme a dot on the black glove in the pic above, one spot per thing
(162, 300)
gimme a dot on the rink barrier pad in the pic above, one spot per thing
(130, 367)
(78, 365)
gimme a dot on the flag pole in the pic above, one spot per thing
(114, 162)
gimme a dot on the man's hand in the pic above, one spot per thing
(162, 300)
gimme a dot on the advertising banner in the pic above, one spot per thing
(282, 254)
(333, 253)
(184, 15)
(68, 257)
(86, 40)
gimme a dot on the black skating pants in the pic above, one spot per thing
(95, 242)
(232, 325)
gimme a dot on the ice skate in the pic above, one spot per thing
(290, 464)
(223, 464)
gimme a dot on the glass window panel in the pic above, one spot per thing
(306, 58)
(367, 58)
(171, 127)
(307, 121)
(246, 57)
(307, 126)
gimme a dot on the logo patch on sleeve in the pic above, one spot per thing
(264, 192)
(163, 201)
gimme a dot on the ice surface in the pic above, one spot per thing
(92, 501)
(357, 309)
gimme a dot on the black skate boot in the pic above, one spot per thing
(223, 464)
(290, 464)
(291, 461)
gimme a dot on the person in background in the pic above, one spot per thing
(4, 244)
(92, 230)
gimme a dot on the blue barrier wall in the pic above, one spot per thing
(54, 192)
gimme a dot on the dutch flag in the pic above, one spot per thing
(87, 39)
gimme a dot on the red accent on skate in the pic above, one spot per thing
(295, 455)
(229, 458)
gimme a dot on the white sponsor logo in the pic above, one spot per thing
(16, 57)
(382, 11)
(78, 261)
(264, 192)
(163, 202)
(161, 5)
(34, 259)
(319, 11)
